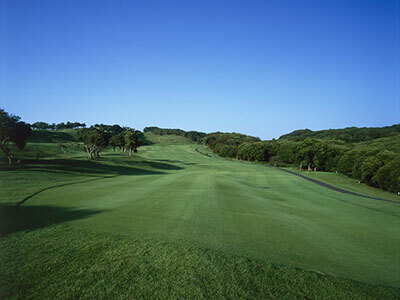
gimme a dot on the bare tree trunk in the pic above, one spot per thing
(309, 167)
(88, 152)
(8, 153)
(130, 151)
(97, 152)
(301, 166)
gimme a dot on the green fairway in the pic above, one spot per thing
(349, 184)
(183, 203)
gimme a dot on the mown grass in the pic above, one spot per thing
(349, 184)
(173, 223)
(166, 139)
(60, 262)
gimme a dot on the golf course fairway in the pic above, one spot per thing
(175, 195)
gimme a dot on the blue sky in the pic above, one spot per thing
(262, 68)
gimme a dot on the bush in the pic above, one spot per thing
(388, 176)
(369, 168)
(228, 151)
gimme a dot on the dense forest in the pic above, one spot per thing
(350, 134)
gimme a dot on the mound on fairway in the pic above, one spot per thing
(176, 223)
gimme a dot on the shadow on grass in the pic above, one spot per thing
(176, 161)
(155, 164)
(60, 185)
(90, 167)
(14, 219)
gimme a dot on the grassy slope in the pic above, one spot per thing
(350, 184)
(167, 139)
(59, 136)
(46, 143)
(175, 222)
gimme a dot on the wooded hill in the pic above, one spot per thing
(350, 134)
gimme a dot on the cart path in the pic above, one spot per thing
(336, 188)
(326, 185)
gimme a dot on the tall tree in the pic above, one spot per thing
(61, 126)
(118, 141)
(41, 125)
(94, 140)
(133, 140)
(12, 132)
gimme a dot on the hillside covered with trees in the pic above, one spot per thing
(350, 134)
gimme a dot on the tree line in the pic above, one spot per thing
(59, 126)
(349, 134)
(374, 165)
(14, 132)
(97, 137)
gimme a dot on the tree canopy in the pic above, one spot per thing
(94, 140)
(59, 126)
(129, 139)
(349, 134)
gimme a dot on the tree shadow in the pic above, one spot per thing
(90, 167)
(155, 164)
(158, 165)
(15, 219)
(176, 161)
(60, 185)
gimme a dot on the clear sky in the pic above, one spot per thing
(262, 68)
